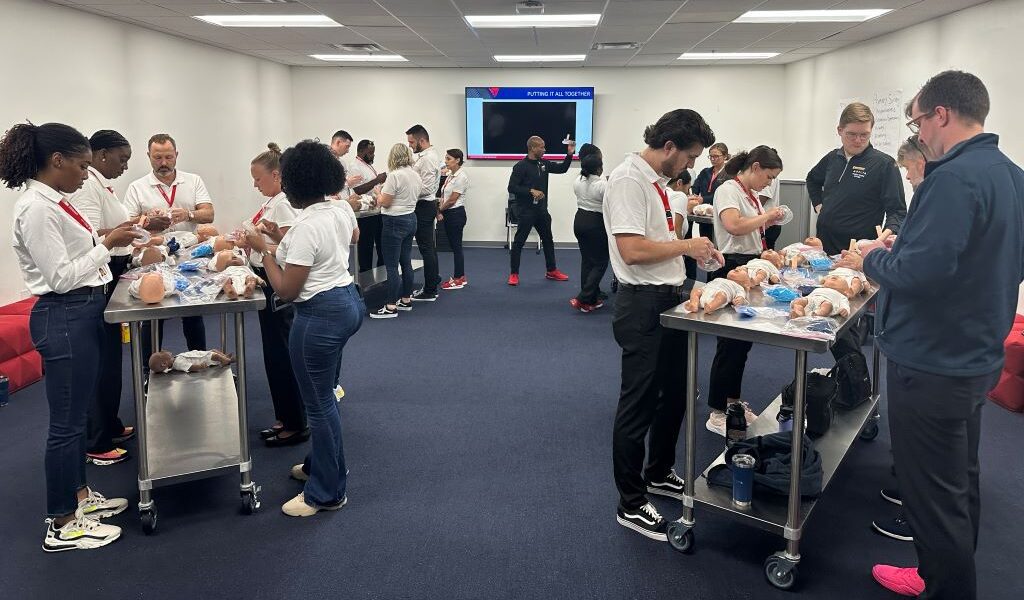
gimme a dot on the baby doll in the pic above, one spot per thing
(716, 294)
(206, 231)
(240, 281)
(704, 210)
(773, 257)
(822, 302)
(761, 270)
(847, 281)
(149, 255)
(221, 243)
(224, 259)
(188, 362)
(798, 255)
(741, 276)
(151, 287)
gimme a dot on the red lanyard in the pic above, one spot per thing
(74, 214)
(668, 210)
(106, 187)
(448, 182)
(369, 165)
(174, 190)
(259, 215)
(757, 206)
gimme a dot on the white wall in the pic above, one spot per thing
(984, 40)
(96, 73)
(380, 104)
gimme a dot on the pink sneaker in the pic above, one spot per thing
(905, 582)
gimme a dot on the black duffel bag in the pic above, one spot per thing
(774, 455)
(822, 391)
(851, 375)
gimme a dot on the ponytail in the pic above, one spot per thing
(25, 149)
(767, 157)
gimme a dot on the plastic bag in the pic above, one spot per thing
(781, 293)
(710, 265)
(819, 328)
(204, 250)
(202, 289)
(787, 215)
(760, 312)
(191, 266)
(144, 236)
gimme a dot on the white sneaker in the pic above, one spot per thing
(297, 507)
(716, 422)
(298, 474)
(80, 533)
(96, 506)
(339, 393)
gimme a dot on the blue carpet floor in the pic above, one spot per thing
(478, 434)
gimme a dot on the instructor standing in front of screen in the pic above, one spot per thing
(529, 187)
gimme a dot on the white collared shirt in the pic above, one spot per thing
(97, 202)
(360, 167)
(730, 195)
(427, 165)
(590, 193)
(55, 252)
(403, 185)
(319, 239)
(187, 189)
(276, 210)
(457, 183)
(632, 205)
(771, 192)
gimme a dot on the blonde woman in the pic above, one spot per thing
(398, 198)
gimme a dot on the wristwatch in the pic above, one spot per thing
(191, 216)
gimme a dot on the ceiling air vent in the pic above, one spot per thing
(530, 7)
(357, 47)
(616, 46)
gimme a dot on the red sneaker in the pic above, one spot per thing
(513, 279)
(581, 306)
(454, 284)
(905, 582)
(556, 275)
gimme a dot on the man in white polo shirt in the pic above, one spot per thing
(647, 259)
(182, 197)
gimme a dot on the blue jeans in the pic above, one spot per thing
(396, 240)
(319, 332)
(67, 331)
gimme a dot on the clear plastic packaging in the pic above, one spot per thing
(144, 236)
(819, 328)
(760, 312)
(709, 265)
(787, 215)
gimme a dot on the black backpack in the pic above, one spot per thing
(821, 395)
(851, 374)
(774, 454)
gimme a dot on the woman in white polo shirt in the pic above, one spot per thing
(64, 265)
(311, 270)
(588, 226)
(453, 214)
(740, 223)
(275, 217)
(398, 197)
(98, 203)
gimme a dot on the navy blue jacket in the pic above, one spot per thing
(949, 287)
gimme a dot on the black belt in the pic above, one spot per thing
(99, 290)
(739, 257)
(655, 289)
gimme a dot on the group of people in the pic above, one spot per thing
(73, 238)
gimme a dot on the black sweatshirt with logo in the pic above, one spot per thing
(855, 195)
(529, 174)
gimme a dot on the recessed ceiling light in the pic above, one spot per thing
(616, 45)
(540, 57)
(494, 21)
(726, 55)
(811, 16)
(269, 20)
(359, 57)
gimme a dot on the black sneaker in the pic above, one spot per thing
(671, 486)
(384, 313)
(424, 296)
(897, 528)
(892, 495)
(403, 306)
(645, 520)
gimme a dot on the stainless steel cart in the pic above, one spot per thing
(189, 425)
(782, 516)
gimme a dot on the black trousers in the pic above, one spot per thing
(652, 399)
(426, 216)
(369, 236)
(730, 355)
(771, 235)
(104, 424)
(689, 263)
(454, 223)
(531, 217)
(194, 329)
(275, 326)
(593, 240)
(935, 425)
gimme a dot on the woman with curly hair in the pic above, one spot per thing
(311, 270)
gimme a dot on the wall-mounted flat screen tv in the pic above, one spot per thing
(500, 119)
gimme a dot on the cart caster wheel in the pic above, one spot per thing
(250, 503)
(148, 518)
(870, 431)
(680, 537)
(779, 574)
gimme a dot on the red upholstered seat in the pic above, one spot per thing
(19, 360)
(1009, 392)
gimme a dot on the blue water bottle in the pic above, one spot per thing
(5, 390)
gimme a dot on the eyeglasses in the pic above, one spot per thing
(714, 156)
(857, 136)
(914, 125)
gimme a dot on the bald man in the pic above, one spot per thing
(529, 187)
